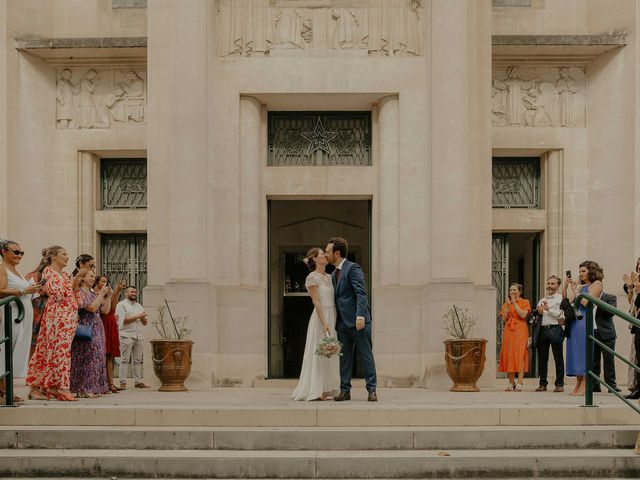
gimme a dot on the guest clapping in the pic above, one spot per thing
(632, 289)
(514, 354)
(88, 356)
(13, 283)
(49, 366)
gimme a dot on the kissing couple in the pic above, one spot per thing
(340, 306)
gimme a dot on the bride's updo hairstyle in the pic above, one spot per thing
(308, 259)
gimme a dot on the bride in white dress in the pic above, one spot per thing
(319, 377)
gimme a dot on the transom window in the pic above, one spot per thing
(123, 183)
(516, 182)
(319, 138)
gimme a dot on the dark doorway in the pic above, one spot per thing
(295, 226)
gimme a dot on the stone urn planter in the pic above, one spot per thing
(171, 354)
(172, 363)
(465, 361)
(464, 357)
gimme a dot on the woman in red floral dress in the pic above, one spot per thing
(50, 364)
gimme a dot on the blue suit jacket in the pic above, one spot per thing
(351, 294)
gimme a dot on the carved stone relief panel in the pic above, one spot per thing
(99, 97)
(376, 27)
(538, 96)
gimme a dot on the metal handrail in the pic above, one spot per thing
(7, 340)
(591, 340)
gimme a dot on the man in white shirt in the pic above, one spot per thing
(131, 318)
(550, 335)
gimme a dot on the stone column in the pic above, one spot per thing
(187, 158)
(450, 139)
(553, 205)
(388, 197)
(177, 164)
(251, 197)
(87, 173)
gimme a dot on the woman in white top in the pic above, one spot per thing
(12, 283)
(319, 377)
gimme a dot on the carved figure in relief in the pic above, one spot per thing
(498, 110)
(404, 23)
(229, 29)
(86, 104)
(541, 106)
(288, 29)
(515, 88)
(566, 87)
(345, 33)
(377, 38)
(65, 90)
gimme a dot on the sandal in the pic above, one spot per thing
(37, 395)
(510, 388)
(517, 387)
(16, 399)
(113, 388)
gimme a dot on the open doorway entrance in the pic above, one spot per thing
(295, 226)
(516, 259)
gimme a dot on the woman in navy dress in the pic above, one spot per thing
(591, 276)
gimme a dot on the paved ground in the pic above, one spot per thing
(388, 397)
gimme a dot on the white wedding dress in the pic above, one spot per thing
(319, 375)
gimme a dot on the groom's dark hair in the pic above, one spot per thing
(340, 245)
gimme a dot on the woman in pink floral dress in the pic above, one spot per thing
(50, 363)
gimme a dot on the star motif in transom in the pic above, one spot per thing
(319, 139)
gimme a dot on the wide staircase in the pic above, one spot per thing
(318, 441)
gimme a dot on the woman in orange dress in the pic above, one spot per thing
(50, 363)
(514, 354)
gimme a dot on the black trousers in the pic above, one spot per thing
(360, 340)
(548, 337)
(604, 358)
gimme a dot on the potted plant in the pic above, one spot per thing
(465, 357)
(172, 351)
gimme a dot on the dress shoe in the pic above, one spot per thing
(142, 385)
(635, 395)
(541, 388)
(558, 389)
(342, 397)
(372, 397)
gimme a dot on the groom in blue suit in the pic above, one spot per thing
(353, 321)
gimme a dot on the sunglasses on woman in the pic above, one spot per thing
(20, 253)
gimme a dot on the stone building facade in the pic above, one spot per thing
(199, 147)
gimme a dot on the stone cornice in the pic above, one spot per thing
(93, 50)
(550, 49)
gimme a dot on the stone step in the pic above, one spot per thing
(326, 415)
(317, 438)
(604, 463)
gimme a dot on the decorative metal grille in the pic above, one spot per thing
(124, 183)
(516, 182)
(499, 276)
(319, 138)
(125, 256)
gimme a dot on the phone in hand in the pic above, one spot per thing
(568, 273)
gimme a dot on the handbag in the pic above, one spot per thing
(83, 333)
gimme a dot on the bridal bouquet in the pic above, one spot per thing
(328, 347)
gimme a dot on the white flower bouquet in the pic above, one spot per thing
(328, 347)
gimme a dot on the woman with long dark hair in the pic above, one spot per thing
(110, 322)
(591, 276)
